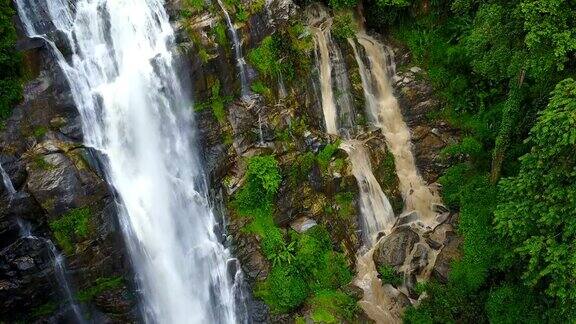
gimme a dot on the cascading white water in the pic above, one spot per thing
(135, 112)
(377, 213)
(240, 61)
(7, 182)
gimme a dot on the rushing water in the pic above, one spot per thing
(240, 61)
(59, 263)
(116, 55)
(386, 114)
(377, 213)
(7, 182)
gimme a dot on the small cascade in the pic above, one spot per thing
(323, 61)
(60, 272)
(240, 61)
(384, 108)
(260, 131)
(7, 182)
(377, 213)
(282, 93)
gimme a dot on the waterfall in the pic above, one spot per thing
(323, 61)
(240, 62)
(7, 182)
(59, 263)
(118, 61)
(377, 213)
(385, 112)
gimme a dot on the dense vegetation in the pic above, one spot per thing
(10, 62)
(502, 70)
(305, 267)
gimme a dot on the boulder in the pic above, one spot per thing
(393, 249)
(450, 252)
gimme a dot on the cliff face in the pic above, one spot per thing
(62, 196)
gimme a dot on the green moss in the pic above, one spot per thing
(40, 131)
(190, 7)
(241, 13)
(256, 6)
(345, 202)
(301, 168)
(219, 31)
(325, 155)
(44, 310)
(260, 88)
(71, 226)
(100, 286)
(41, 163)
(10, 62)
(342, 4)
(390, 276)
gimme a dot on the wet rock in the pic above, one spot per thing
(393, 249)
(450, 252)
(58, 184)
(303, 224)
(26, 280)
(419, 258)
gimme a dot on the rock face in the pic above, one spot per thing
(55, 176)
(393, 249)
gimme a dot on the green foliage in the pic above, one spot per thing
(536, 213)
(220, 35)
(72, 226)
(262, 182)
(389, 275)
(266, 58)
(10, 62)
(46, 309)
(512, 304)
(325, 155)
(284, 289)
(345, 202)
(241, 13)
(216, 102)
(260, 88)
(256, 6)
(342, 4)
(284, 54)
(344, 25)
(190, 7)
(100, 286)
(301, 168)
(332, 306)
(314, 265)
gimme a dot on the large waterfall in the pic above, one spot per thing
(116, 55)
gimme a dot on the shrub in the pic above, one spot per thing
(342, 4)
(71, 226)
(325, 155)
(343, 26)
(10, 63)
(284, 289)
(389, 275)
(333, 306)
(99, 286)
(345, 201)
(44, 310)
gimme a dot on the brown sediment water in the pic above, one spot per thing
(418, 196)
